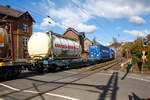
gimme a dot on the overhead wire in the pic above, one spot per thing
(102, 28)
(39, 14)
(35, 12)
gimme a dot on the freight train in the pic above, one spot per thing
(48, 51)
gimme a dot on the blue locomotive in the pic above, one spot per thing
(101, 52)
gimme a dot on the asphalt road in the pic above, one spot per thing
(69, 85)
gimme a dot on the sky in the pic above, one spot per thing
(124, 20)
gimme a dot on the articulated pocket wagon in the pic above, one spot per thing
(101, 53)
(51, 50)
(9, 68)
(4, 43)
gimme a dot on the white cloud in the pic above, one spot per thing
(105, 43)
(137, 33)
(46, 23)
(68, 17)
(73, 17)
(118, 28)
(78, 13)
(37, 32)
(86, 28)
(136, 20)
(50, 3)
(77, 2)
(117, 8)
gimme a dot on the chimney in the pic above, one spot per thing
(8, 6)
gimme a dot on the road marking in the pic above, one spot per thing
(28, 91)
(104, 73)
(141, 79)
(36, 92)
(70, 72)
(66, 97)
(12, 88)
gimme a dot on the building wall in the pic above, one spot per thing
(20, 51)
(82, 43)
(73, 35)
(87, 43)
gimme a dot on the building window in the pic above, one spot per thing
(24, 17)
(86, 44)
(25, 41)
(25, 28)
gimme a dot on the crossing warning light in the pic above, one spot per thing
(144, 42)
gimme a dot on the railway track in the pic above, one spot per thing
(36, 90)
(101, 66)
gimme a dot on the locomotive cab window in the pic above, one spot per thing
(25, 28)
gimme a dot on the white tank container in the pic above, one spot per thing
(4, 43)
(52, 46)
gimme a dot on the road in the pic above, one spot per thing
(76, 84)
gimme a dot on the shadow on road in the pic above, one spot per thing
(135, 97)
(104, 91)
(127, 69)
(110, 89)
(36, 88)
(125, 75)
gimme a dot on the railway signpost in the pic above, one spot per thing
(143, 49)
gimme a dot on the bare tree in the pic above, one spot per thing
(116, 45)
(148, 37)
(94, 40)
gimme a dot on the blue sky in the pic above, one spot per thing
(104, 19)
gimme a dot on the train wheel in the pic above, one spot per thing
(63, 67)
(16, 72)
(40, 68)
(8, 75)
(52, 68)
(4, 77)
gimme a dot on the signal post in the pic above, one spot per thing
(143, 49)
